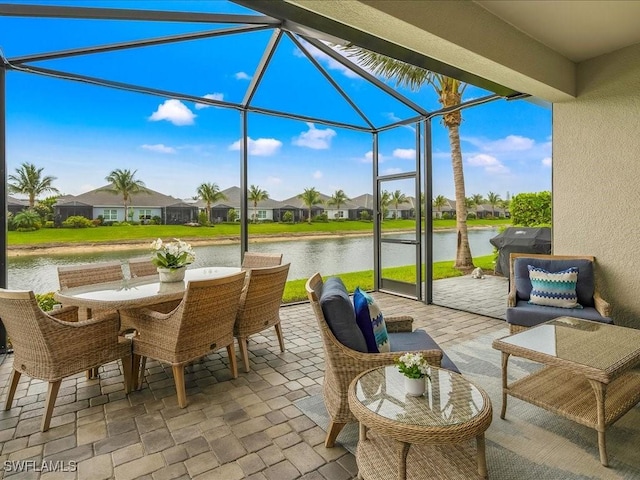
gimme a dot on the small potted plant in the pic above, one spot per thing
(415, 369)
(171, 259)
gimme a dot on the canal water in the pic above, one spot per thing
(329, 256)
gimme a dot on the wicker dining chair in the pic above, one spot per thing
(141, 267)
(202, 323)
(260, 306)
(50, 346)
(258, 260)
(343, 364)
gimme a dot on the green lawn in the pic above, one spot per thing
(144, 233)
(295, 291)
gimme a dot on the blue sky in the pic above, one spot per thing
(79, 133)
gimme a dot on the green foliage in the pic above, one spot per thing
(203, 218)
(321, 218)
(77, 221)
(531, 209)
(287, 216)
(45, 301)
(48, 224)
(365, 215)
(232, 215)
(27, 221)
(156, 220)
(471, 216)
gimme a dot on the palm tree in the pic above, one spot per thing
(449, 91)
(256, 194)
(477, 201)
(493, 199)
(398, 198)
(504, 205)
(385, 201)
(310, 197)
(210, 193)
(439, 202)
(29, 181)
(338, 199)
(123, 182)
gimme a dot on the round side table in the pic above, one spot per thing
(431, 436)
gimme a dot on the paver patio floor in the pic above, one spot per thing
(232, 429)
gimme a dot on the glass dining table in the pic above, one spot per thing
(137, 292)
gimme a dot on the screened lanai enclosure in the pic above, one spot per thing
(261, 76)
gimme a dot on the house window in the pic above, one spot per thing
(340, 214)
(144, 214)
(262, 214)
(110, 215)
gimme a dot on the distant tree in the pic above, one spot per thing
(232, 215)
(493, 199)
(124, 183)
(29, 181)
(210, 193)
(531, 209)
(256, 195)
(310, 197)
(385, 201)
(398, 198)
(477, 201)
(44, 208)
(504, 205)
(338, 199)
(439, 202)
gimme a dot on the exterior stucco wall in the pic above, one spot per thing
(596, 176)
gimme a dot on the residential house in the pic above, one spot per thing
(145, 205)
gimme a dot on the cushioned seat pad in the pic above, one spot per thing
(419, 340)
(527, 315)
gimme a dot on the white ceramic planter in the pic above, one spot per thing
(415, 387)
(170, 275)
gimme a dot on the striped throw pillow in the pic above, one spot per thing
(554, 289)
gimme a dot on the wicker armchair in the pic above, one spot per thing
(90, 274)
(202, 323)
(260, 306)
(522, 315)
(141, 267)
(55, 345)
(343, 364)
(258, 260)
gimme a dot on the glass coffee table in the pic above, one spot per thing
(431, 436)
(590, 374)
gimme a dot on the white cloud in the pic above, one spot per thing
(405, 153)
(510, 143)
(159, 148)
(392, 171)
(317, 174)
(273, 181)
(211, 96)
(490, 163)
(315, 138)
(242, 76)
(173, 111)
(262, 147)
(546, 161)
(368, 157)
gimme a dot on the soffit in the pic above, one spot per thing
(577, 29)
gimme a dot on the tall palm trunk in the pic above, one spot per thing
(451, 97)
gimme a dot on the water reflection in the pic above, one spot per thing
(307, 256)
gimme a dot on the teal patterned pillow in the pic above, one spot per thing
(554, 289)
(373, 312)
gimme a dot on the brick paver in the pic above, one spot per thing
(244, 428)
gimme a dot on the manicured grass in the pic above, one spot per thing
(144, 233)
(295, 292)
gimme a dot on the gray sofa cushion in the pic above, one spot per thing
(418, 340)
(584, 288)
(527, 315)
(340, 316)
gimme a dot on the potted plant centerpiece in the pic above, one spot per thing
(171, 259)
(415, 369)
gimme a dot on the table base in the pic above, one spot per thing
(378, 457)
(574, 397)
